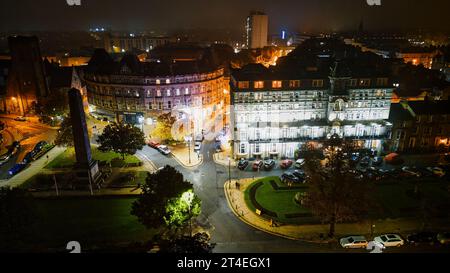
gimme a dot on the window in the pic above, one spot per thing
(186, 91)
(158, 93)
(317, 83)
(167, 81)
(258, 84)
(276, 84)
(353, 82)
(294, 83)
(178, 91)
(364, 82)
(169, 104)
(382, 81)
(158, 81)
(242, 150)
(168, 92)
(243, 85)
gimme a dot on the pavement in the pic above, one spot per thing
(188, 159)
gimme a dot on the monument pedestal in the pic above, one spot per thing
(83, 172)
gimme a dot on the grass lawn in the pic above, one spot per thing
(89, 221)
(395, 198)
(67, 158)
(280, 201)
(129, 179)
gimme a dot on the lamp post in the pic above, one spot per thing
(188, 139)
(229, 168)
(188, 197)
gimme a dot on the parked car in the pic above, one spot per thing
(38, 147)
(299, 163)
(377, 161)
(439, 172)
(411, 171)
(153, 144)
(269, 164)
(29, 157)
(164, 149)
(257, 165)
(197, 146)
(286, 163)
(354, 242)
(443, 238)
(389, 240)
(300, 174)
(21, 118)
(242, 164)
(16, 169)
(289, 177)
(365, 161)
(422, 237)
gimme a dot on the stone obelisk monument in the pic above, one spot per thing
(86, 168)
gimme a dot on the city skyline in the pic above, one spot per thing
(323, 15)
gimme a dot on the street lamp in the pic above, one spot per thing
(188, 139)
(229, 169)
(188, 197)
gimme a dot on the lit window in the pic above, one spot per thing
(168, 92)
(276, 84)
(243, 85)
(158, 93)
(294, 83)
(259, 85)
(186, 91)
(317, 83)
(158, 81)
(178, 92)
(167, 81)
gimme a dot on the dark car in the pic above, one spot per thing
(365, 161)
(29, 157)
(242, 164)
(269, 164)
(377, 161)
(300, 174)
(289, 177)
(38, 147)
(16, 169)
(422, 238)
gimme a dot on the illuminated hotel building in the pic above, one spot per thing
(137, 92)
(276, 110)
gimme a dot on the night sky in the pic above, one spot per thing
(311, 15)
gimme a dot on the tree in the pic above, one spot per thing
(158, 191)
(121, 138)
(335, 195)
(64, 136)
(180, 210)
(163, 129)
(197, 244)
(17, 218)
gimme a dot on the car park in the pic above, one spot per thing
(286, 163)
(269, 164)
(257, 165)
(443, 238)
(424, 237)
(153, 144)
(299, 163)
(242, 164)
(164, 149)
(389, 240)
(353, 242)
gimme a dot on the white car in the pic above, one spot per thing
(299, 163)
(197, 146)
(164, 149)
(354, 242)
(388, 240)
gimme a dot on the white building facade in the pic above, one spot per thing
(274, 118)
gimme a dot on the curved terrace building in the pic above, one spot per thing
(137, 92)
